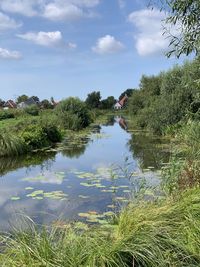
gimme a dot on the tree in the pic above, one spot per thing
(73, 114)
(184, 14)
(22, 98)
(36, 98)
(46, 104)
(93, 99)
(108, 103)
(1, 103)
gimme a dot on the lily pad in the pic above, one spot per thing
(15, 198)
(83, 197)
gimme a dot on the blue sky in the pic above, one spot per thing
(64, 48)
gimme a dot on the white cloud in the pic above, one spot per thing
(7, 54)
(43, 38)
(49, 39)
(66, 12)
(107, 45)
(24, 7)
(7, 23)
(72, 45)
(149, 39)
(51, 9)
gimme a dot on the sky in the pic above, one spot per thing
(65, 48)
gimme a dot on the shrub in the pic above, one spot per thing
(52, 133)
(73, 114)
(35, 137)
(6, 114)
(32, 110)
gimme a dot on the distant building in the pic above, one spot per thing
(121, 103)
(29, 102)
(10, 104)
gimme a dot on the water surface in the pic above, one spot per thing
(95, 176)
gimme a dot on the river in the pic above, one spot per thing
(95, 176)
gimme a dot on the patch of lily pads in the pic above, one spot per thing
(95, 217)
(40, 194)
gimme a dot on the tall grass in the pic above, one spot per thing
(11, 145)
(183, 170)
(162, 234)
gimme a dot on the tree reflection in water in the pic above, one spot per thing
(45, 160)
(150, 150)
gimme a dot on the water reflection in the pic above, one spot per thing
(151, 151)
(78, 178)
(44, 160)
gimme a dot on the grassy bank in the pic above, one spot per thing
(31, 129)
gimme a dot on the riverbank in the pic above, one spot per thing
(162, 233)
(22, 132)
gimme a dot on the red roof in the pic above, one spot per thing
(10, 104)
(123, 100)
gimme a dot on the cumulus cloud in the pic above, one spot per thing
(43, 38)
(7, 54)
(58, 12)
(107, 45)
(49, 39)
(149, 37)
(7, 23)
(24, 7)
(51, 9)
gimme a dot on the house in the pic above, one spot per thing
(29, 102)
(121, 103)
(10, 104)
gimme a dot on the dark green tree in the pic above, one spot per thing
(22, 98)
(93, 99)
(73, 114)
(108, 103)
(2, 102)
(46, 104)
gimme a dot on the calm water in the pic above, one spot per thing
(92, 176)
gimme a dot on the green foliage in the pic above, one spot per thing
(45, 104)
(73, 114)
(40, 136)
(11, 145)
(22, 98)
(35, 137)
(128, 92)
(183, 170)
(32, 110)
(168, 98)
(108, 103)
(93, 99)
(6, 114)
(162, 233)
(186, 14)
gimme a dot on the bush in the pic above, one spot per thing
(32, 110)
(35, 137)
(6, 114)
(52, 133)
(38, 136)
(73, 114)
